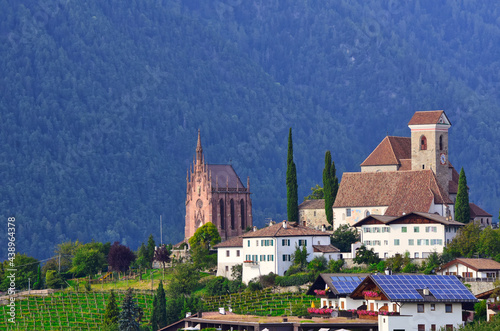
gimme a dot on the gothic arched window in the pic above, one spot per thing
(242, 213)
(423, 143)
(221, 210)
(232, 213)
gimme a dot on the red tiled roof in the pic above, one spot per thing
(476, 264)
(291, 230)
(231, 242)
(325, 248)
(313, 204)
(405, 165)
(401, 191)
(390, 151)
(476, 211)
(391, 219)
(426, 117)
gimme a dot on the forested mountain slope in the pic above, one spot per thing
(100, 102)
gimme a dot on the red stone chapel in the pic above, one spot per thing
(215, 193)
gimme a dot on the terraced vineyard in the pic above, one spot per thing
(68, 311)
(260, 303)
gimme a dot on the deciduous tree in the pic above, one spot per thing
(316, 193)
(343, 237)
(120, 257)
(364, 255)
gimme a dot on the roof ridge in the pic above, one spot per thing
(386, 137)
(392, 149)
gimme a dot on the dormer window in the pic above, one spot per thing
(423, 143)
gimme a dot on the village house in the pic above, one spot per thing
(479, 216)
(270, 249)
(418, 302)
(312, 213)
(420, 234)
(334, 289)
(476, 269)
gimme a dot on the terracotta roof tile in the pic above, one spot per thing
(401, 191)
(476, 211)
(480, 264)
(405, 165)
(392, 219)
(231, 242)
(313, 204)
(389, 151)
(426, 117)
(325, 248)
(291, 230)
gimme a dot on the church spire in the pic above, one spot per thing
(199, 149)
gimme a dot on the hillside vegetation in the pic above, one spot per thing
(100, 102)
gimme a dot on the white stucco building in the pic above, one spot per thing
(229, 254)
(270, 249)
(415, 302)
(420, 234)
(486, 269)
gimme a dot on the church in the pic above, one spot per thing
(215, 193)
(403, 175)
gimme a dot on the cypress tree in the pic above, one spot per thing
(159, 316)
(462, 209)
(112, 310)
(292, 200)
(330, 185)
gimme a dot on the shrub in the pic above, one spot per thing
(254, 286)
(299, 310)
(297, 279)
(267, 280)
(218, 286)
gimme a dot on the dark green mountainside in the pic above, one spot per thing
(100, 102)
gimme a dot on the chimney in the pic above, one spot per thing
(323, 228)
(254, 228)
(426, 291)
(285, 224)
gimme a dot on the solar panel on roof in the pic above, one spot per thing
(404, 287)
(346, 284)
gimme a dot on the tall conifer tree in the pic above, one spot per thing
(462, 209)
(330, 185)
(292, 200)
(112, 310)
(159, 316)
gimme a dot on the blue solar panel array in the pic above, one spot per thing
(346, 284)
(404, 287)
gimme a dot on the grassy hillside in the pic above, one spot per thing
(100, 102)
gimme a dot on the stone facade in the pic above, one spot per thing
(215, 193)
(312, 213)
(429, 149)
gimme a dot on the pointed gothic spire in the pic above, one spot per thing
(199, 150)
